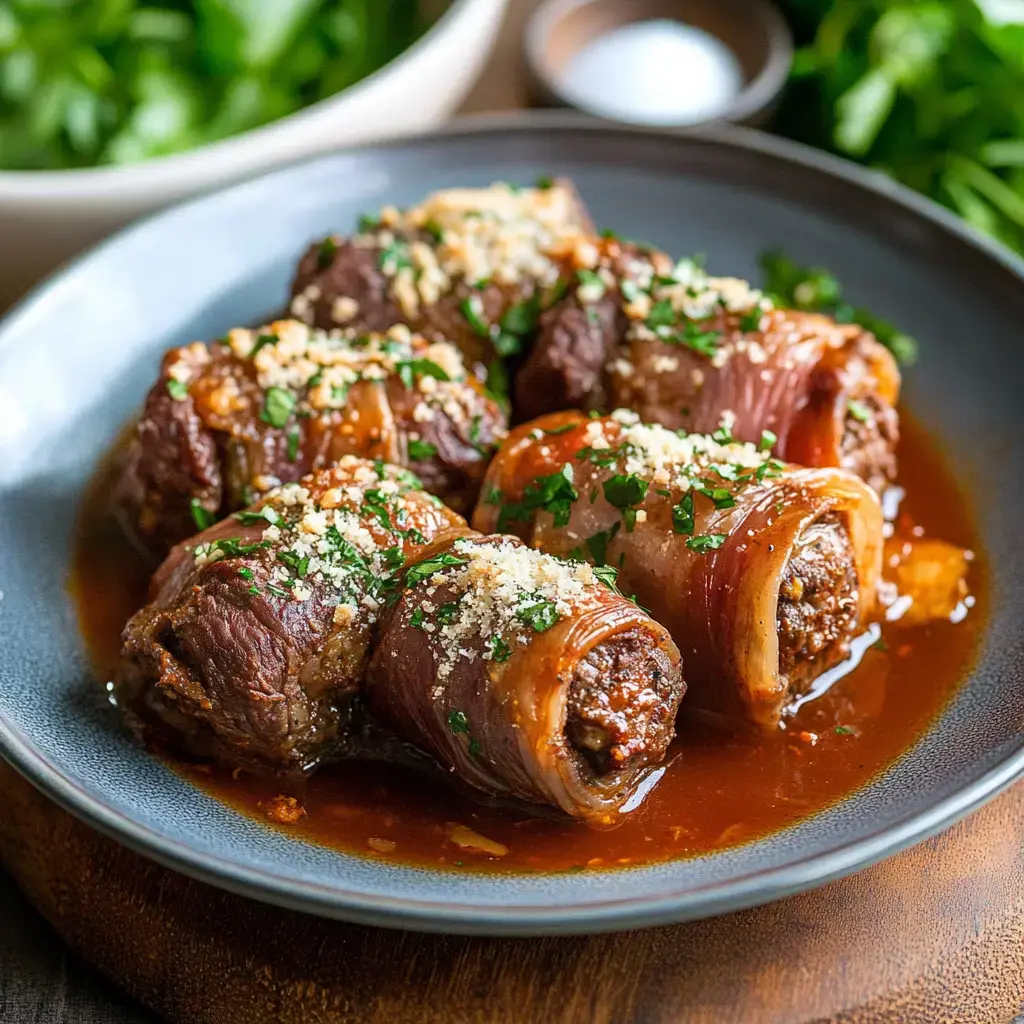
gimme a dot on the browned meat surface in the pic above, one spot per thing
(619, 697)
(870, 435)
(227, 422)
(817, 603)
(258, 635)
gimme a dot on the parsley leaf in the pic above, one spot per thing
(624, 491)
(268, 514)
(325, 252)
(472, 309)
(521, 318)
(858, 410)
(682, 515)
(394, 257)
(708, 542)
(421, 449)
(554, 494)
(177, 389)
(608, 575)
(458, 723)
(499, 650)
(597, 545)
(410, 369)
(538, 613)
(424, 570)
(768, 441)
(277, 406)
(202, 517)
(417, 619)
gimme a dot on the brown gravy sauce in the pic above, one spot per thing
(720, 790)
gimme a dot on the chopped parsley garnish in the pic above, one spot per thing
(417, 618)
(880, 644)
(421, 449)
(721, 497)
(544, 183)
(598, 544)
(723, 435)
(458, 723)
(277, 591)
(624, 491)
(845, 730)
(751, 320)
(564, 429)
(500, 651)
(768, 441)
(425, 569)
(262, 342)
(630, 290)
(325, 253)
(473, 310)
(447, 612)
(267, 514)
(538, 613)
(682, 515)
(202, 517)
(177, 389)
(394, 257)
(704, 342)
(497, 383)
(521, 318)
(608, 575)
(554, 493)
(591, 280)
(858, 410)
(506, 344)
(246, 573)
(410, 369)
(294, 436)
(232, 547)
(367, 222)
(662, 314)
(297, 564)
(705, 543)
(378, 504)
(435, 230)
(493, 496)
(277, 406)
(393, 557)
(601, 457)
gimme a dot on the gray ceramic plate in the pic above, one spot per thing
(78, 355)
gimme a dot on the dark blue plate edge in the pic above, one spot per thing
(750, 890)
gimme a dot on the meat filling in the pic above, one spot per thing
(868, 447)
(620, 703)
(817, 610)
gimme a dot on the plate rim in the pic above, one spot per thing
(751, 889)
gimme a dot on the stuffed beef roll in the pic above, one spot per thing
(258, 633)
(684, 349)
(228, 422)
(527, 677)
(762, 571)
(475, 265)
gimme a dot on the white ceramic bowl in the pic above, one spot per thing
(48, 216)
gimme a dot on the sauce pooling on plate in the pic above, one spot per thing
(718, 789)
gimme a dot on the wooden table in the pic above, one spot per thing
(935, 934)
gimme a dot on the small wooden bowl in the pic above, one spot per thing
(754, 30)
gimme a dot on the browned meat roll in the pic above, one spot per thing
(683, 349)
(475, 265)
(258, 633)
(527, 677)
(228, 422)
(761, 570)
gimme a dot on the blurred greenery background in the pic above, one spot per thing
(929, 91)
(86, 82)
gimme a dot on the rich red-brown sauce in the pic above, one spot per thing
(721, 789)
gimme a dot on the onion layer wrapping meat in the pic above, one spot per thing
(258, 633)
(475, 265)
(526, 677)
(762, 571)
(684, 350)
(227, 422)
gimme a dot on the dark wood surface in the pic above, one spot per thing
(933, 935)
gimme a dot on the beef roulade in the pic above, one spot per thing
(228, 422)
(475, 265)
(683, 349)
(527, 677)
(258, 632)
(761, 570)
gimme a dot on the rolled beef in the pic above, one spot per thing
(257, 637)
(686, 350)
(762, 571)
(526, 677)
(228, 422)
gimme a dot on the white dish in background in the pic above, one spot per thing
(48, 216)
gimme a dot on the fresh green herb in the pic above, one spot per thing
(267, 514)
(177, 389)
(708, 542)
(201, 516)
(845, 730)
(768, 441)
(428, 567)
(297, 564)
(506, 344)
(417, 618)
(367, 223)
(601, 457)
(682, 515)
(544, 183)
(232, 547)
(721, 497)
(458, 723)
(394, 257)
(493, 495)
(474, 748)
(246, 573)
(539, 614)
(278, 405)
(553, 494)
(498, 383)
(662, 314)
(608, 575)
(858, 410)
(410, 369)
(500, 651)
(521, 318)
(630, 290)
(277, 591)
(624, 491)
(435, 230)
(880, 644)
(608, 234)
(592, 282)
(473, 310)
(818, 290)
(421, 449)
(325, 252)
(751, 320)
(564, 429)
(694, 337)
(597, 545)
(393, 558)
(447, 612)
(723, 435)
(262, 341)
(294, 437)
